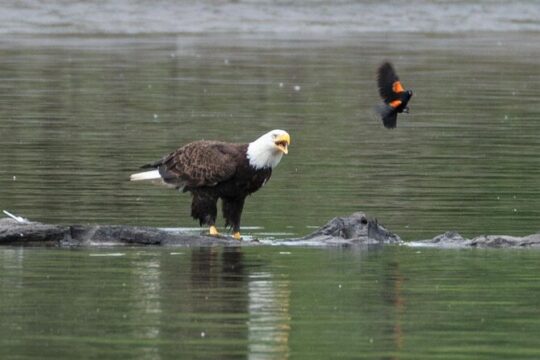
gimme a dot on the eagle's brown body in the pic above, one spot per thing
(213, 170)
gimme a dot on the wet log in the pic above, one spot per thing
(452, 239)
(356, 229)
(34, 233)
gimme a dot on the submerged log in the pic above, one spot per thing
(34, 233)
(30, 233)
(356, 229)
(451, 239)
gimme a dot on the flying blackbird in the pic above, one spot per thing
(394, 95)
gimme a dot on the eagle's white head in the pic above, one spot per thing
(268, 150)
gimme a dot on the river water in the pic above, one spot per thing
(90, 91)
(269, 303)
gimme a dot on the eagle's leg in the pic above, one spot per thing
(204, 208)
(232, 212)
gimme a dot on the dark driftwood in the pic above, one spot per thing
(354, 230)
(453, 239)
(12, 232)
(350, 230)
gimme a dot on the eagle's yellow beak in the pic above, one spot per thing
(282, 142)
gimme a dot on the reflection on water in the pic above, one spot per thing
(269, 324)
(263, 303)
(394, 297)
(147, 294)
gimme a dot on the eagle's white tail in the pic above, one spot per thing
(146, 175)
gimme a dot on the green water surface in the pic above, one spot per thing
(269, 303)
(78, 114)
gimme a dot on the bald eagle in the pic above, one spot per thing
(212, 170)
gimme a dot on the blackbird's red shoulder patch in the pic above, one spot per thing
(397, 87)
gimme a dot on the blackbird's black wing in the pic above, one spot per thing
(388, 116)
(390, 120)
(386, 79)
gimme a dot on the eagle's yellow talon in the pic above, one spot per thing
(237, 236)
(213, 231)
